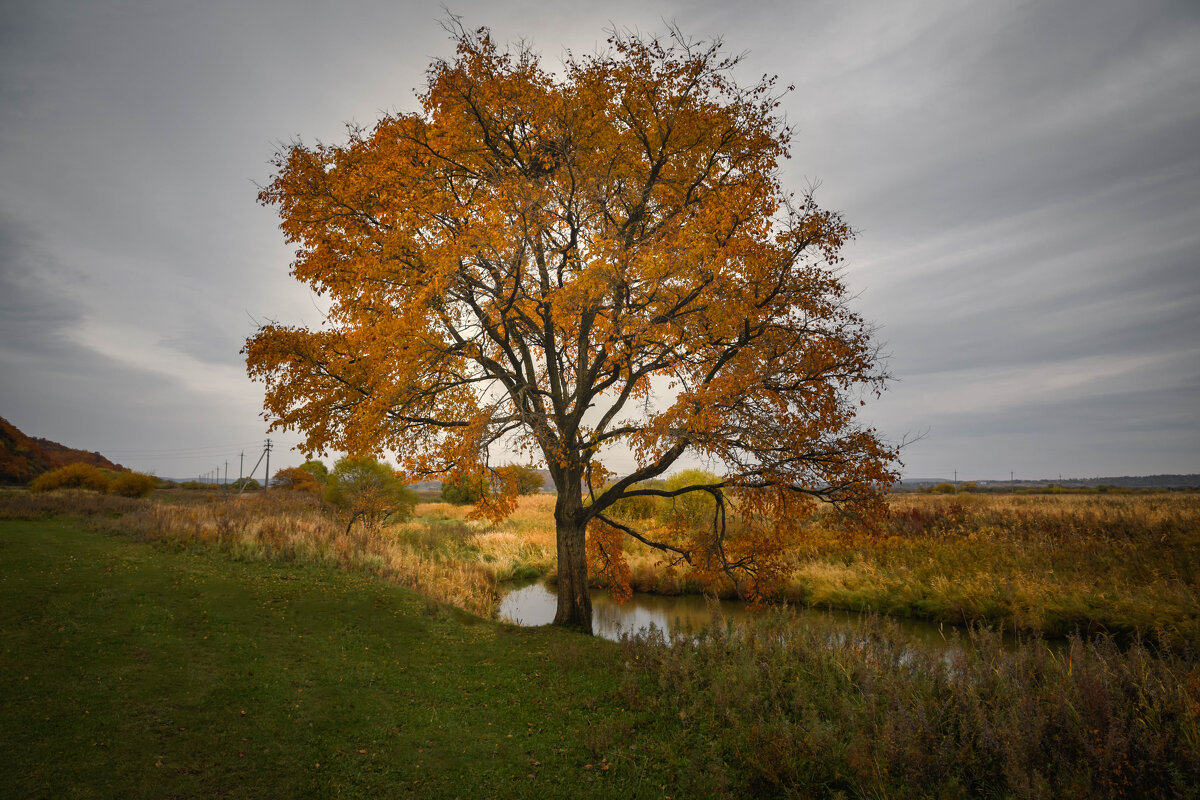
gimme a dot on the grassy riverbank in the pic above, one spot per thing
(1041, 564)
(1036, 564)
(1124, 564)
(137, 670)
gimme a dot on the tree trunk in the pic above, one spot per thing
(574, 597)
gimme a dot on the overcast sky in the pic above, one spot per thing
(1025, 178)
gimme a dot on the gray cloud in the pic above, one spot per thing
(33, 313)
(1024, 177)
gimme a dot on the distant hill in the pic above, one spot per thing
(23, 458)
(1191, 481)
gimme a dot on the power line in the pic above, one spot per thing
(180, 450)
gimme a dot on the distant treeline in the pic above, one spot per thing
(1122, 482)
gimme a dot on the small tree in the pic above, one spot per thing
(524, 479)
(368, 490)
(512, 479)
(317, 469)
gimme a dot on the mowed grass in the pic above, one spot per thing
(128, 670)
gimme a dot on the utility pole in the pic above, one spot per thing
(241, 459)
(226, 481)
(254, 469)
(267, 480)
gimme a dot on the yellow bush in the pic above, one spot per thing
(132, 484)
(72, 476)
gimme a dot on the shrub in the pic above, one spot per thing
(368, 490)
(317, 469)
(72, 476)
(643, 507)
(243, 484)
(527, 479)
(132, 484)
(463, 491)
(692, 509)
(297, 479)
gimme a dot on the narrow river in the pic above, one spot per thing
(535, 604)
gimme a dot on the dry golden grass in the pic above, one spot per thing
(520, 547)
(1051, 564)
(439, 552)
(1038, 563)
(277, 526)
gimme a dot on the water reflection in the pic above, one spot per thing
(535, 605)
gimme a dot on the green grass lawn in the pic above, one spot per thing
(131, 670)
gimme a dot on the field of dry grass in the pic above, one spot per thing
(1042, 564)
(1047, 564)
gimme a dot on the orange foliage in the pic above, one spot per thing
(606, 557)
(22, 458)
(298, 480)
(566, 265)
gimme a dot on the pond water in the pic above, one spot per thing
(535, 605)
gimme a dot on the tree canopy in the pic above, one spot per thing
(592, 265)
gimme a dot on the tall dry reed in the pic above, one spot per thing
(780, 708)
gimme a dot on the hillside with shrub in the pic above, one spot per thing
(23, 458)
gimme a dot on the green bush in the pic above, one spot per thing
(369, 490)
(692, 509)
(317, 469)
(528, 479)
(644, 507)
(463, 491)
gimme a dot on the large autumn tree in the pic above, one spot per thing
(572, 265)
